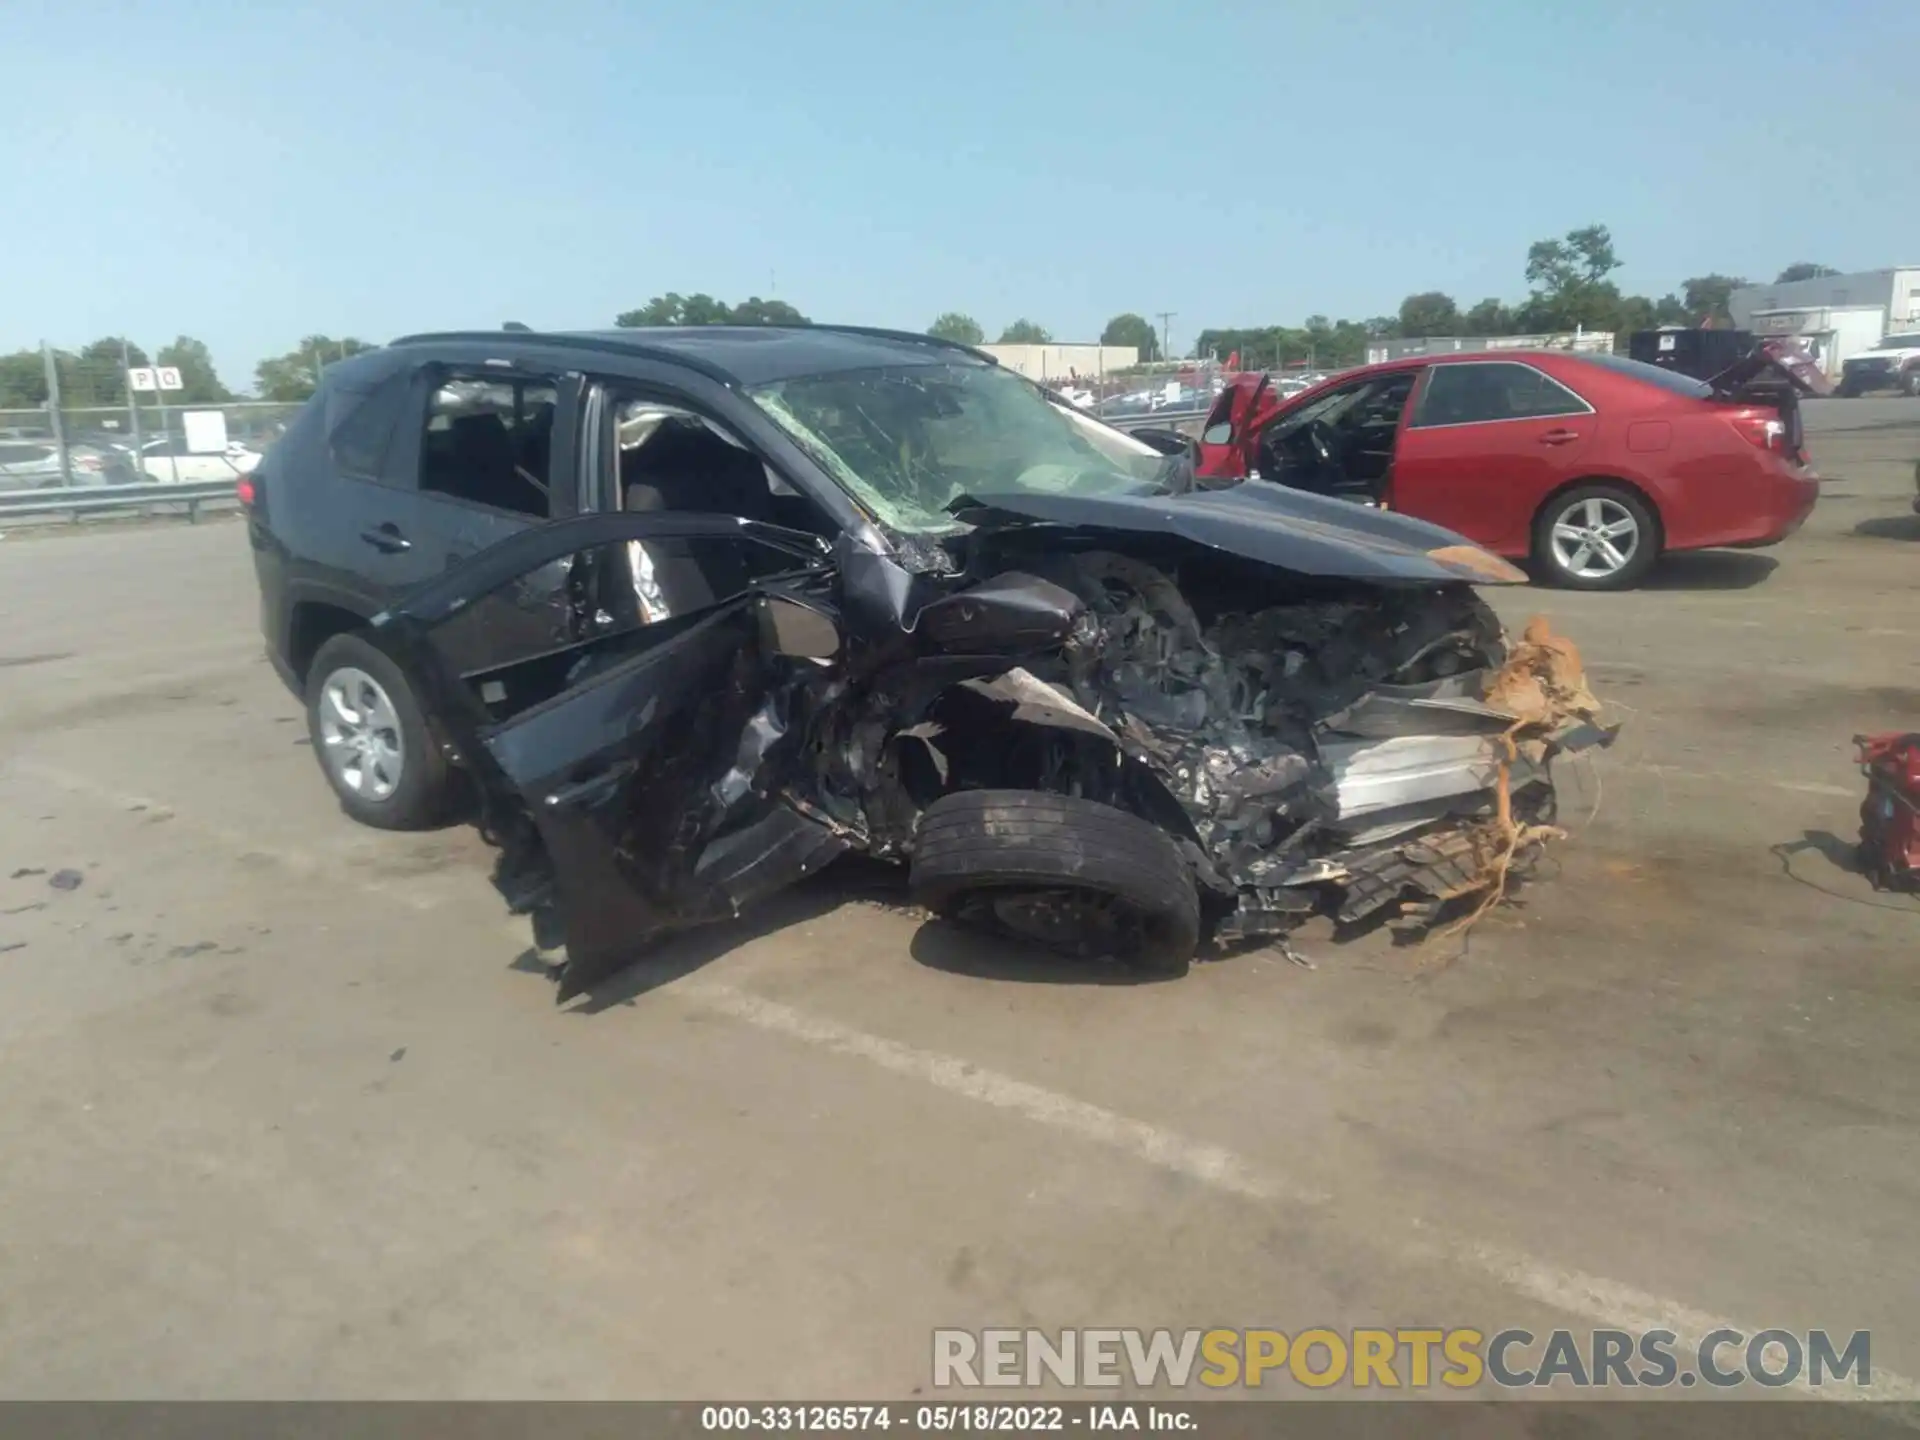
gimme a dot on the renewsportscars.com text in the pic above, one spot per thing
(1400, 1358)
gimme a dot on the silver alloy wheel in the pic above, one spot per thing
(1595, 538)
(360, 734)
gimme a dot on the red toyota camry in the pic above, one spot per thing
(1591, 466)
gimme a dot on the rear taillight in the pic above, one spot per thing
(92, 464)
(243, 488)
(1763, 432)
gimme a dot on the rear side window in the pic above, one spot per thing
(1651, 375)
(1477, 393)
(490, 442)
(361, 424)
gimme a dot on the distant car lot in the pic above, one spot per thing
(294, 1085)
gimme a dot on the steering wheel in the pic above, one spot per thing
(1322, 439)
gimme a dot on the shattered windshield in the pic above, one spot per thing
(909, 440)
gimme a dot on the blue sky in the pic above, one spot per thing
(253, 173)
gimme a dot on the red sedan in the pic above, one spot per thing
(1591, 466)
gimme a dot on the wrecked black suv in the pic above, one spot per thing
(692, 612)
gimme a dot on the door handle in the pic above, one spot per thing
(1559, 437)
(387, 539)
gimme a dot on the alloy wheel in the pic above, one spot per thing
(360, 736)
(1595, 538)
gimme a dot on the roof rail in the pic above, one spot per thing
(604, 344)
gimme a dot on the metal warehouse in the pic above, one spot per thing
(1835, 315)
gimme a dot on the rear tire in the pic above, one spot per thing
(1072, 875)
(1598, 536)
(1912, 385)
(397, 778)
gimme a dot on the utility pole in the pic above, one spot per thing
(1166, 333)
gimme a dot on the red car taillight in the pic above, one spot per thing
(92, 464)
(243, 488)
(1763, 432)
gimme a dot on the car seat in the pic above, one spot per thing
(685, 467)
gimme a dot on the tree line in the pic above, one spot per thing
(95, 374)
(1568, 289)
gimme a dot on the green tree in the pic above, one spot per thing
(1804, 270)
(1705, 297)
(23, 381)
(96, 375)
(1569, 280)
(199, 381)
(1134, 330)
(1634, 312)
(296, 374)
(755, 311)
(1489, 317)
(1670, 309)
(1025, 332)
(674, 308)
(1381, 327)
(1429, 313)
(959, 328)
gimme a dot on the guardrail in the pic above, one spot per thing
(1153, 419)
(95, 500)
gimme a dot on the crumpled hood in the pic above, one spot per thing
(1257, 520)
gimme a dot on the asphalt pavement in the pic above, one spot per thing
(288, 1110)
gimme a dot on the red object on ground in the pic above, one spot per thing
(1890, 815)
(1483, 441)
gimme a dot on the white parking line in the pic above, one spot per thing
(1722, 777)
(1196, 1160)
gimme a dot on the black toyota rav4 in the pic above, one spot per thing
(685, 614)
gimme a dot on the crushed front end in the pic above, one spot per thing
(1319, 746)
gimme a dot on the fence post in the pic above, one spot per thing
(133, 412)
(54, 417)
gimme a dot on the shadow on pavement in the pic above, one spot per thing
(959, 951)
(1710, 570)
(1890, 527)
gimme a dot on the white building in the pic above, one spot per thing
(1064, 364)
(1834, 315)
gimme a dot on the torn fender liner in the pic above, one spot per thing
(1309, 534)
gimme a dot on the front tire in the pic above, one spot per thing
(1912, 385)
(371, 738)
(1072, 875)
(1598, 536)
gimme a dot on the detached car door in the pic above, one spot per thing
(642, 794)
(1486, 442)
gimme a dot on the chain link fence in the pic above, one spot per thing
(44, 447)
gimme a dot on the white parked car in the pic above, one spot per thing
(167, 459)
